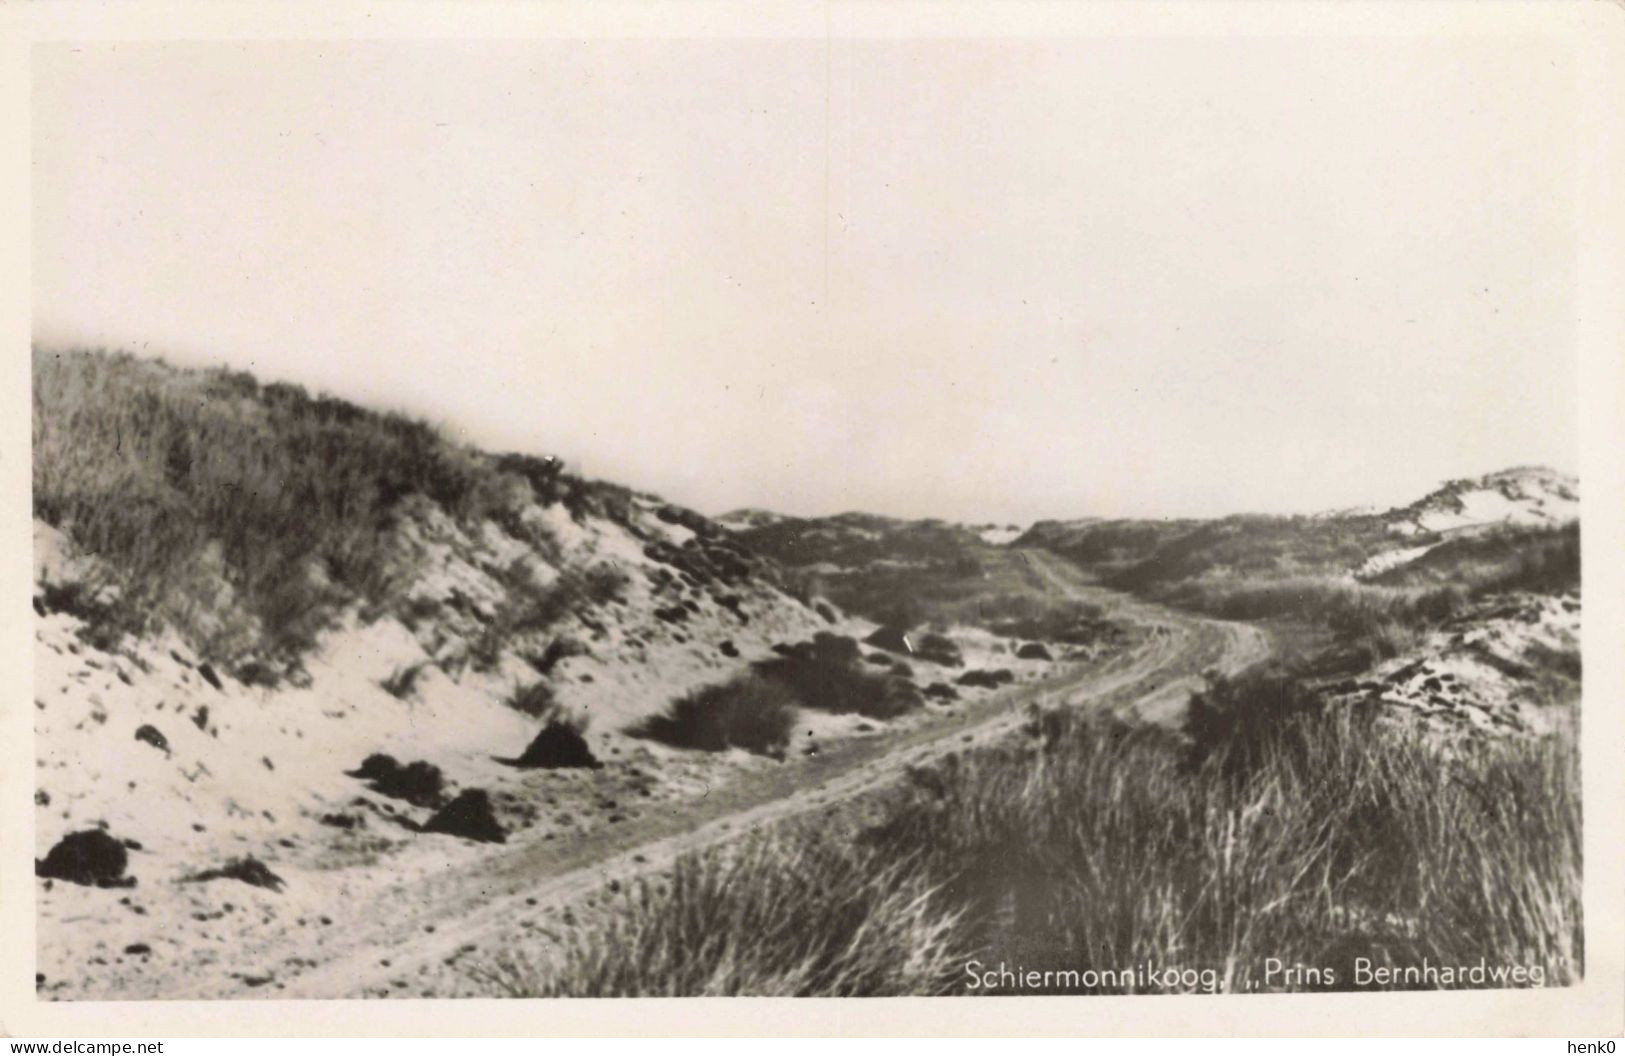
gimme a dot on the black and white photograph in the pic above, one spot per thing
(849, 515)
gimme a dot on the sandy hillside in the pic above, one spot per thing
(1507, 666)
(256, 706)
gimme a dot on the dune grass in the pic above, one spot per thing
(773, 917)
(824, 679)
(747, 711)
(756, 710)
(246, 516)
(1328, 839)
(180, 479)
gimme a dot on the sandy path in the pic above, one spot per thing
(423, 925)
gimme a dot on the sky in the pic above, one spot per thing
(987, 280)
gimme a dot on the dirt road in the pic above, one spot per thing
(409, 946)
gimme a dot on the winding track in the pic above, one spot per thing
(480, 902)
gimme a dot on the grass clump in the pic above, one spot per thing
(561, 745)
(536, 699)
(419, 782)
(530, 607)
(1334, 838)
(750, 712)
(402, 683)
(826, 674)
(180, 480)
(775, 917)
(248, 517)
(1240, 724)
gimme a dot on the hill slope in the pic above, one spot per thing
(243, 592)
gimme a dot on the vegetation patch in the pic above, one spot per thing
(248, 517)
(1096, 844)
(751, 712)
(90, 857)
(536, 699)
(987, 679)
(825, 675)
(403, 682)
(775, 917)
(469, 817)
(249, 870)
(560, 745)
(419, 783)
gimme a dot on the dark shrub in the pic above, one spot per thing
(403, 683)
(148, 734)
(836, 648)
(536, 700)
(987, 679)
(106, 616)
(375, 766)
(892, 637)
(939, 649)
(542, 474)
(941, 691)
(1033, 651)
(827, 611)
(1241, 722)
(879, 659)
(1071, 623)
(470, 817)
(749, 712)
(603, 584)
(419, 783)
(824, 675)
(249, 870)
(90, 857)
(728, 649)
(559, 746)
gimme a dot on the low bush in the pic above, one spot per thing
(981, 679)
(559, 745)
(89, 857)
(1259, 716)
(535, 699)
(892, 637)
(419, 783)
(249, 870)
(749, 712)
(1073, 623)
(470, 817)
(939, 649)
(825, 675)
(105, 616)
(402, 683)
